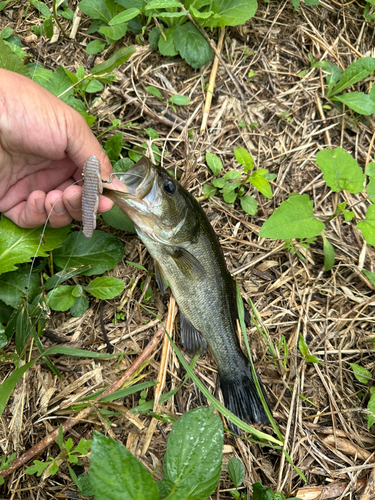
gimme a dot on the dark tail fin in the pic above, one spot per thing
(241, 396)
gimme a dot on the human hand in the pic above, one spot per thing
(44, 144)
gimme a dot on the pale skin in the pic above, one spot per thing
(44, 144)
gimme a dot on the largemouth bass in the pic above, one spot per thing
(188, 257)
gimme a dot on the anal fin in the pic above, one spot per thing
(192, 340)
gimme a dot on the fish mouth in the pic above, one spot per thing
(138, 180)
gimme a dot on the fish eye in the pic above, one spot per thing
(169, 187)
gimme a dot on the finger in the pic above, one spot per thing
(58, 215)
(30, 213)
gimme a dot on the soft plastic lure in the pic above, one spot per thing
(91, 190)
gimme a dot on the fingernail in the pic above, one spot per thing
(59, 207)
(75, 202)
(39, 203)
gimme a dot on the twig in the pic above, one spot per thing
(211, 85)
(39, 447)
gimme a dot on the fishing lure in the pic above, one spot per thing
(91, 190)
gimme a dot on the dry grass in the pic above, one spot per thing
(318, 408)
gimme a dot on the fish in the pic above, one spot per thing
(188, 257)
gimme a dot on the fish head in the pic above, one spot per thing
(157, 204)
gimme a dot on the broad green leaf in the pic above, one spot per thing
(19, 245)
(152, 133)
(302, 346)
(116, 475)
(229, 196)
(370, 276)
(191, 45)
(348, 215)
(236, 471)
(367, 226)
(231, 12)
(194, 453)
(370, 189)
(209, 190)
(371, 408)
(59, 84)
(114, 32)
(61, 298)
(361, 374)
(249, 204)
(312, 359)
(167, 47)
(124, 16)
(232, 174)
(258, 180)
(80, 306)
(5, 33)
(244, 158)
(218, 182)
(105, 287)
(95, 47)
(117, 219)
(92, 86)
(96, 9)
(262, 493)
(3, 337)
(48, 27)
(329, 254)
(4, 4)
(340, 170)
(358, 102)
(354, 73)
(154, 91)
(41, 76)
(118, 58)
(162, 4)
(332, 73)
(42, 7)
(370, 169)
(294, 218)
(179, 100)
(102, 252)
(229, 187)
(214, 163)
(16, 284)
(10, 61)
(113, 146)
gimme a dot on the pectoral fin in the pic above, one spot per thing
(192, 340)
(160, 280)
(189, 265)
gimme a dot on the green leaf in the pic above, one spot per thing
(114, 33)
(367, 226)
(214, 163)
(358, 102)
(360, 373)
(236, 471)
(124, 16)
(42, 7)
(154, 91)
(152, 133)
(179, 100)
(95, 47)
(258, 180)
(370, 276)
(59, 83)
(332, 73)
(194, 453)
(96, 9)
(118, 58)
(102, 251)
(229, 196)
(92, 85)
(340, 170)
(113, 146)
(61, 298)
(48, 27)
(105, 287)
(302, 346)
(311, 359)
(162, 4)
(209, 190)
(117, 219)
(116, 475)
(354, 73)
(79, 307)
(10, 61)
(244, 158)
(38, 468)
(262, 493)
(231, 12)
(5, 33)
(370, 169)
(348, 216)
(218, 182)
(370, 189)
(293, 219)
(249, 205)
(4, 4)
(329, 254)
(16, 284)
(3, 337)
(231, 175)
(191, 45)
(371, 408)
(167, 47)
(19, 245)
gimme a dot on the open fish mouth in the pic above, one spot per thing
(138, 180)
